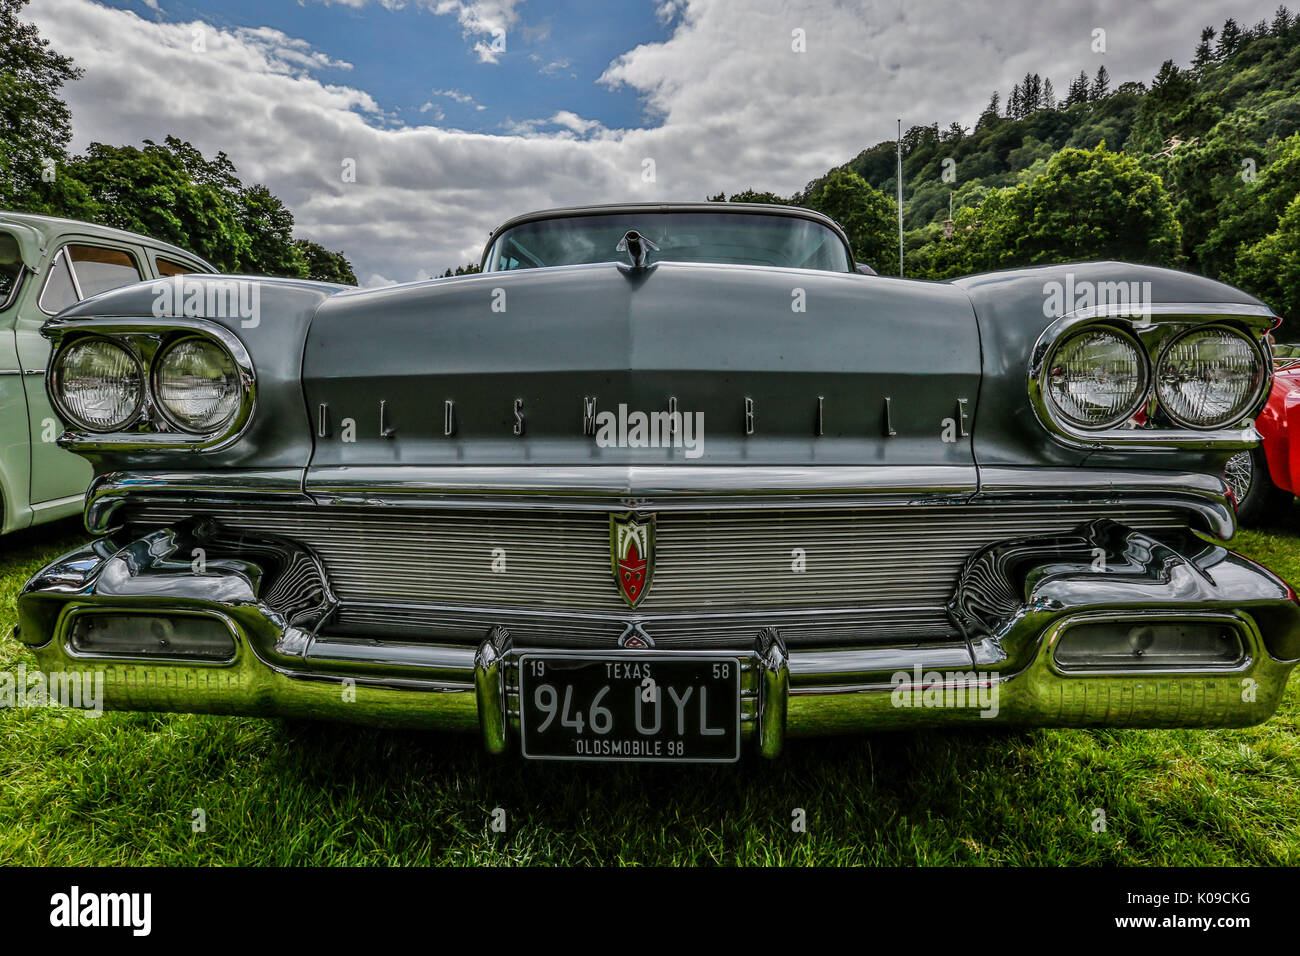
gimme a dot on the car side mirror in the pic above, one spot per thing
(864, 269)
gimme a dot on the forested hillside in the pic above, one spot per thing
(1198, 169)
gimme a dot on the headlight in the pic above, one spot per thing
(1209, 378)
(196, 385)
(1097, 377)
(98, 384)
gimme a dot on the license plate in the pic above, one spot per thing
(630, 707)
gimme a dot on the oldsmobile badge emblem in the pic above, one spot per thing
(631, 551)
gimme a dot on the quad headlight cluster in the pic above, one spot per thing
(192, 382)
(1204, 378)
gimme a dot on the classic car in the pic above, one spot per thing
(1264, 479)
(669, 483)
(47, 265)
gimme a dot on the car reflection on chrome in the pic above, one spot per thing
(671, 483)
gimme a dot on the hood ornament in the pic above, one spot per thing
(637, 247)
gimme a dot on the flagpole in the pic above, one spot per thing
(900, 197)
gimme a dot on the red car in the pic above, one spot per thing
(1264, 479)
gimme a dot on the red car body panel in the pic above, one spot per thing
(1279, 425)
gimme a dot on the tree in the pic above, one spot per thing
(1230, 39)
(472, 268)
(270, 249)
(1078, 91)
(1204, 50)
(1089, 204)
(1049, 95)
(1250, 211)
(150, 190)
(35, 123)
(1162, 112)
(171, 191)
(327, 266)
(1282, 22)
(1033, 93)
(991, 113)
(1100, 85)
(1015, 103)
(867, 215)
(1270, 268)
(751, 195)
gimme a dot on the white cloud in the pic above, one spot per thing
(733, 107)
(551, 67)
(564, 119)
(456, 95)
(489, 21)
(284, 52)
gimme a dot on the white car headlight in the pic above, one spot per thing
(1209, 378)
(196, 385)
(98, 384)
(1097, 377)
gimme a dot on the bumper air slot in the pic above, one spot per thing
(170, 636)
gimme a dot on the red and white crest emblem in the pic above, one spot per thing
(631, 550)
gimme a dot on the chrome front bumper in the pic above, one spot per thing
(1013, 603)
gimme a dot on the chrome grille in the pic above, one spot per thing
(888, 570)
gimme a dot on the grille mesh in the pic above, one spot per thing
(880, 568)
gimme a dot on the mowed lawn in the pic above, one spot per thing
(123, 788)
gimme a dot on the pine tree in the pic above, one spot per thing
(1078, 92)
(1049, 95)
(1281, 22)
(1230, 39)
(1015, 103)
(1205, 49)
(1165, 79)
(991, 112)
(1100, 86)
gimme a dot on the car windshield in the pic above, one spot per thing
(757, 239)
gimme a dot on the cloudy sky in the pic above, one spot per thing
(455, 115)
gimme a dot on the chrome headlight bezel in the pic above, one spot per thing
(1153, 325)
(145, 338)
(1140, 394)
(169, 415)
(57, 384)
(1244, 408)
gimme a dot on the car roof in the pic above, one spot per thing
(613, 209)
(51, 227)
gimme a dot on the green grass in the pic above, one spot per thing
(121, 789)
